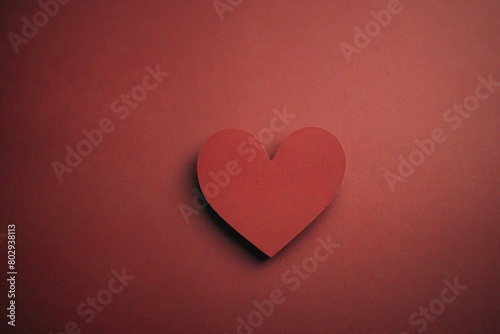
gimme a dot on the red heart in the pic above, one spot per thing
(269, 202)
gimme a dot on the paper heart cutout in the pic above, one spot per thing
(269, 202)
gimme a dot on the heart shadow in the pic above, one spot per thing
(222, 225)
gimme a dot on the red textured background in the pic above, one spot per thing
(119, 208)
